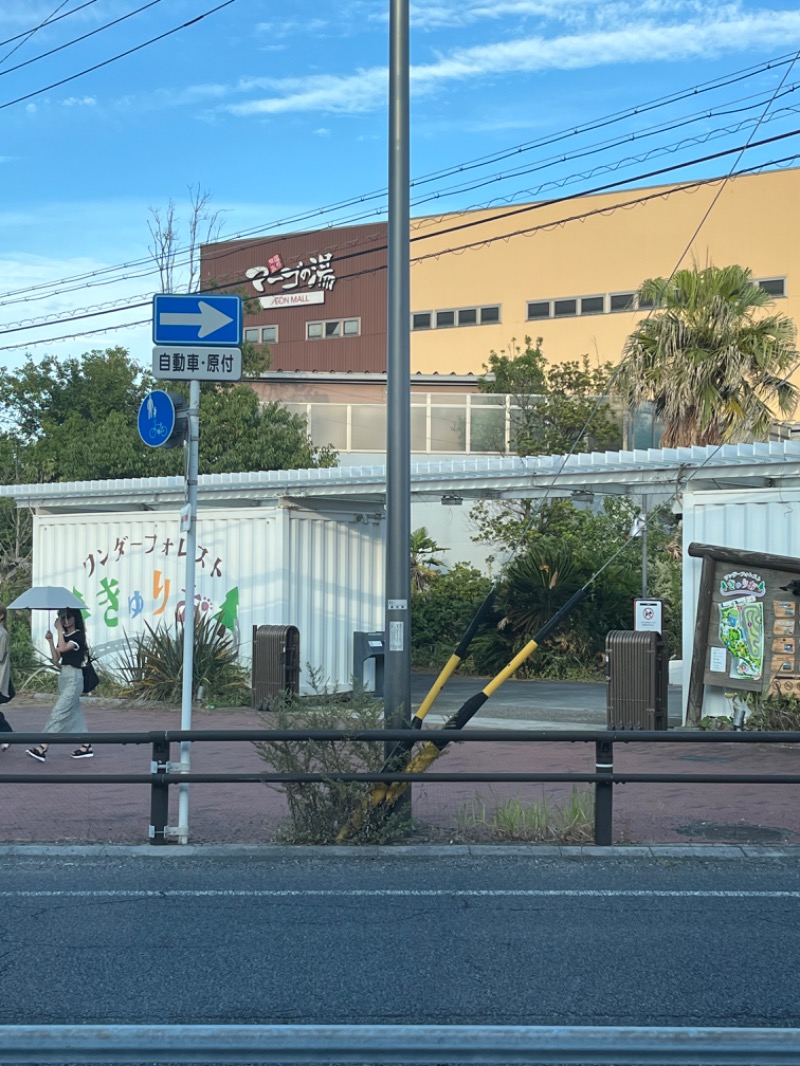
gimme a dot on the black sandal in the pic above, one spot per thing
(83, 752)
(40, 753)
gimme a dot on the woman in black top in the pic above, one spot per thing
(69, 651)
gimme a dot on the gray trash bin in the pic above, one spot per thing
(637, 679)
(276, 663)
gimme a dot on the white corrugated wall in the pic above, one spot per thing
(760, 520)
(345, 557)
(264, 566)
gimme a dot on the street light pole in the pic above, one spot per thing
(397, 661)
(192, 465)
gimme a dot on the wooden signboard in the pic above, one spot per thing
(747, 636)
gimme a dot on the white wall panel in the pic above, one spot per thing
(271, 566)
(341, 593)
(760, 520)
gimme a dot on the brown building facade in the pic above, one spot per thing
(317, 299)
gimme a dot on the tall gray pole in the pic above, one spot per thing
(644, 547)
(192, 448)
(397, 661)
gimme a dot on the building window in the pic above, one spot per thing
(645, 304)
(622, 301)
(773, 286)
(593, 305)
(463, 316)
(562, 308)
(264, 335)
(539, 309)
(335, 327)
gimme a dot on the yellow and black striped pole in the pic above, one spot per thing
(434, 748)
(401, 752)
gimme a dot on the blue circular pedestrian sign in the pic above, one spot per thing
(157, 418)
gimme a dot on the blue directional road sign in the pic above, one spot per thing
(197, 318)
(157, 418)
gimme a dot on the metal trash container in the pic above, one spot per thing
(276, 663)
(637, 679)
(368, 646)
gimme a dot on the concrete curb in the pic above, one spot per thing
(700, 852)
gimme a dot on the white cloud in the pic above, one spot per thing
(79, 101)
(282, 28)
(362, 91)
(630, 40)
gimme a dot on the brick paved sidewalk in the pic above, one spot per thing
(250, 813)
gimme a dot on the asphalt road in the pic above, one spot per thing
(407, 939)
(543, 704)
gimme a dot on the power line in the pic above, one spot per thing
(47, 22)
(77, 40)
(120, 55)
(660, 194)
(366, 197)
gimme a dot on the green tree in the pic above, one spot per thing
(711, 360)
(557, 408)
(238, 434)
(76, 421)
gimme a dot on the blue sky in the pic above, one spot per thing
(277, 110)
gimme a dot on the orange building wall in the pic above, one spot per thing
(612, 249)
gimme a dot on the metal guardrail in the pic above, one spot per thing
(540, 1045)
(164, 773)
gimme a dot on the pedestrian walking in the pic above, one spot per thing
(68, 652)
(7, 692)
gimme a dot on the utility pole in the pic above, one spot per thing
(397, 678)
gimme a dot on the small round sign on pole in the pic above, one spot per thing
(161, 421)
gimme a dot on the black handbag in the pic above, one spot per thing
(90, 678)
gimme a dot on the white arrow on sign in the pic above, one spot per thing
(208, 318)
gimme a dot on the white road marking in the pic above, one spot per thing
(400, 893)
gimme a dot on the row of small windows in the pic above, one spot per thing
(458, 316)
(611, 302)
(607, 303)
(315, 331)
(262, 335)
(335, 327)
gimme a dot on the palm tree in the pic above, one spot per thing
(712, 362)
(424, 562)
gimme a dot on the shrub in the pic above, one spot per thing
(774, 712)
(442, 612)
(319, 811)
(151, 665)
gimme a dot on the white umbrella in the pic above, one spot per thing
(47, 598)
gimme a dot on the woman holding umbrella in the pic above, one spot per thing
(68, 653)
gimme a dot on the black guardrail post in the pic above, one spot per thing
(159, 791)
(604, 793)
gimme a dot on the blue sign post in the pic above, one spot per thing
(158, 418)
(197, 337)
(197, 318)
